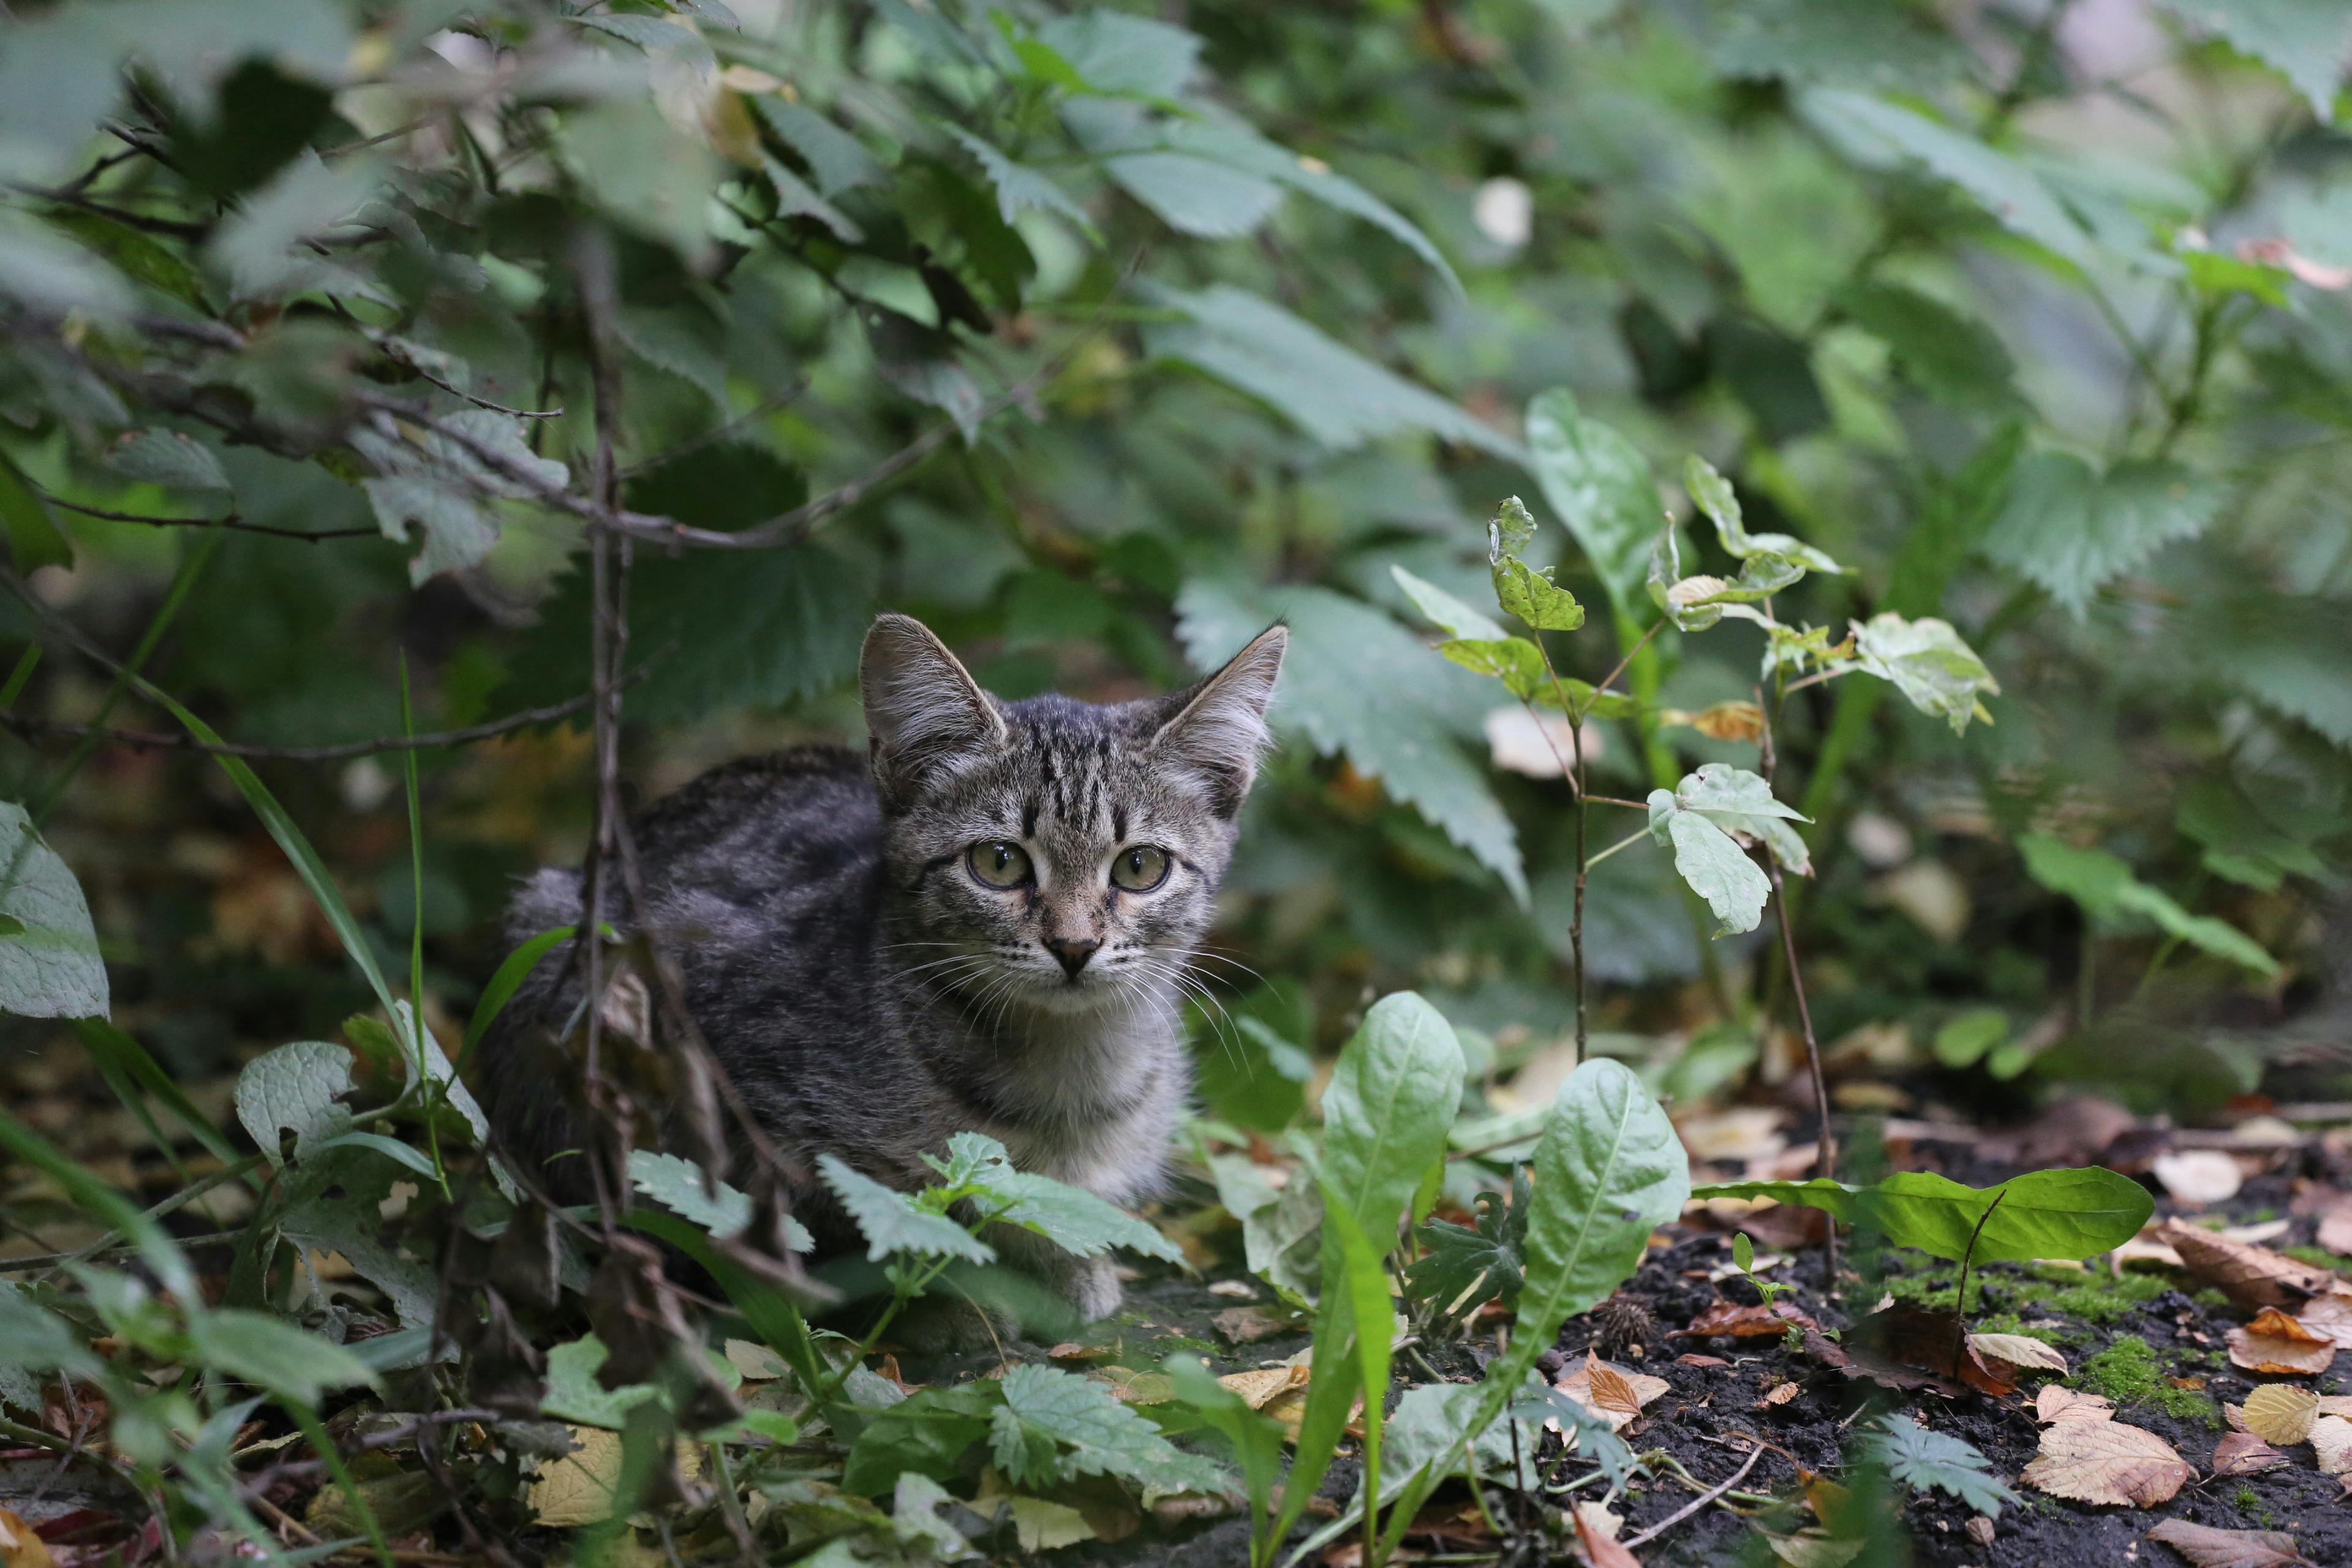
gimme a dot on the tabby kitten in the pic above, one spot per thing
(981, 924)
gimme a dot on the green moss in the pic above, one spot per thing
(2010, 1323)
(2247, 1501)
(2105, 1301)
(2212, 1300)
(2128, 1373)
(2319, 1257)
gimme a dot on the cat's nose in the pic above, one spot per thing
(1072, 951)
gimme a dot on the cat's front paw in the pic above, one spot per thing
(1092, 1287)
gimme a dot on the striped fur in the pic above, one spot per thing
(870, 995)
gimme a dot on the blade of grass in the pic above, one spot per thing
(156, 1247)
(428, 1087)
(503, 984)
(107, 1044)
(329, 1456)
(1366, 1289)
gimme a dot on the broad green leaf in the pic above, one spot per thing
(891, 1224)
(2073, 529)
(1280, 1225)
(1531, 595)
(34, 537)
(1113, 52)
(166, 457)
(2071, 1214)
(837, 161)
(1358, 683)
(1255, 1440)
(1194, 196)
(1609, 1169)
(1018, 186)
(1054, 1425)
(1947, 354)
(49, 966)
(1458, 619)
(1926, 661)
(1385, 1113)
(1875, 131)
(2303, 40)
(1461, 1267)
(1601, 488)
(1963, 1042)
(2103, 885)
(677, 1185)
(299, 1088)
(1074, 1219)
(277, 1356)
(1714, 496)
(1737, 799)
(1333, 393)
(1517, 663)
(575, 1392)
(1847, 43)
(512, 971)
(926, 1434)
(1695, 819)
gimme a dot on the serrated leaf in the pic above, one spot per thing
(1113, 52)
(49, 964)
(836, 160)
(1853, 43)
(2072, 528)
(677, 1185)
(2303, 40)
(1741, 802)
(1333, 393)
(891, 1223)
(1934, 668)
(1463, 1267)
(297, 1088)
(1054, 1425)
(1459, 620)
(1692, 820)
(1921, 1460)
(1601, 487)
(2106, 1462)
(1517, 663)
(1360, 684)
(1076, 1220)
(1195, 196)
(1018, 186)
(1950, 356)
(2103, 885)
(575, 1392)
(166, 457)
(926, 1433)
(1531, 595)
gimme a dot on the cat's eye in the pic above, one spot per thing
(1139, 869)
(999, 863)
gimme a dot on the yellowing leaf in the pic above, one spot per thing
(2331, 1440)
(19, 1547)
(2106, 1462)
(577, 1488)
(1262, 1387)
(2280, 1413)
(2274, 1342)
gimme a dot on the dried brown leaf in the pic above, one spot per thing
(2252, 1276)
(2206, 1547)
(2057, 1404)
(1730, 1319)
(2280, 1413)
(2330, 1316)
(2331, 1440)
(2244, 1454)
(19, 1547)
(2335, 1227)
(1247, 1325)
(1779, 1394)
(1611, 1392)
(2106, 1462)
(2274, 1342)
(1906, 1346)
(2009, 1353)
(1265, 1384)
(1598, 1549)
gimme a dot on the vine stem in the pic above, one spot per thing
(1826, 1155)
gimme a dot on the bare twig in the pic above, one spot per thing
(1697, 1503)
(233, 521)
(1826, 1155)
(152, 740)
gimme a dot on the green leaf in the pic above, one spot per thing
(1531, 595)
(1922, 1459)
(1020, 187)
(1113, 52)
(166, 457)
(1853, 43)
(2303, 40)
(1074, 1219)
(1601, 488)
(2103, 885)
(1695, 819)
(1609, 1169)
(676, 1184)
(836, 160)
(2073, 529)
(1461, 1267)
(298, 1087)
(576, 1394)
(49, 966)
(34, 537)
(427, 480)
(891, 1223)
(1392, 1097)
(512, 971)
(1333, 393)
(1195, 196)
(1950, 356)
(1926, 661)
(1360, 684)
(1517, 663)
(1963, 1042)
(1715, 496)
(1741, 802)
(259, 1348)
(1874, 131)
(1054, 1425)
(926, 1434)
(1458, 619)
(2071, 1214)
(1279, 1225)
(1255, 1440)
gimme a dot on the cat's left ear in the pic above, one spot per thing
(1219, 726)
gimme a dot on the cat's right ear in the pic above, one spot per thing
(923, 709)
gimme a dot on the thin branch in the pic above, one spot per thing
(233, 521)
(152, 740)
(1697, 1503)
(1640, 643)
(1826, 1154)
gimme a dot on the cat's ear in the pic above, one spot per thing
(923, 709)
(1218, 728)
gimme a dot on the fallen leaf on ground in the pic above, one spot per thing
(1599, 1550)
(19, 1547)
(2331, 1440)
(2141, 1250)
(2252, 1276)
(2335, 1405)
(1736, 1321)
(2274, 1342)
(2335, 1228)
(2057, 1404)
(1981, 1529)
(2330, 1315)
(2004, 1352)
(1779, 1394)
(757, 1362)
(1611, 1392)
(1906, 1346)
(2106, 1462)
(577, 1488)
(2280, 1413)
(1600, 1519)
(2199, 1176)
(1262, 1387)
(2206, 1547)
(1688, 1359)
(2244, 1454)
(1815, 1548)
(1233, 1290)
(1247, 1325)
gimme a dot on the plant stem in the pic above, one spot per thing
(315, 1431)
(1960, 1303)
(1826, 1156)
(1630, 838)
